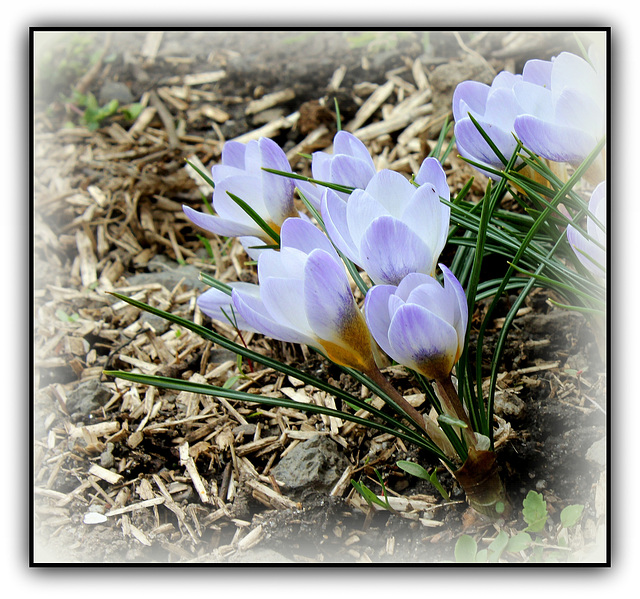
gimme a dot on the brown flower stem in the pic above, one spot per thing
(482, 485)
(430, 428)
(452, 405)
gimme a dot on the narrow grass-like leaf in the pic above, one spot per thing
(204, 176)
(211, 335)
(334, 186)
(213, 391)
(255, 217)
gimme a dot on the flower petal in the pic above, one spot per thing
(392, 190)
(378, 315)
(218, 305)
(431, 171)
(347, 143)
(350, 171)
(459, 300)
(246, 188)
(218, 225)
(390, 250)
(362, 209)
(253, 311)
(553, 141)
(469, 96)
(333, 314)
(334, 215)
(304, 236)
(422, 341)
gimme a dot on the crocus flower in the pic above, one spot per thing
(391, 228)
(592, 255)
(240, 173)
(562, 115)
(495, 108)
(420, 323)
(350, 165)
(303, 297)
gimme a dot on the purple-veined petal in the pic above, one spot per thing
(255, 314)
(233, 153)
(334, 215)
(553, 141)
(328, 298)
(453, 288)
(469, 96)
(428, 218)
(350, 171)
(411, 281)
(311, 192)
(578, 111)
(288, 262)
(422, 341)
(502, 108)
(591, 256)
(390, 250)
(471, 143)
(537, 72)
(433, 297)
(333, 315)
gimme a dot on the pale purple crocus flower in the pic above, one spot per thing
(350, 165)
(241, 173)
(391, 228)
(420, 323)
(303, 296)
(495, 108)
(563, 113)
(592, 255)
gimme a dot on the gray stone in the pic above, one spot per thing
(317, 462)
(597, 453)
(87, 397)
(114, 90)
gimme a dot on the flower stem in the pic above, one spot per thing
(453, 406)
(425, 423)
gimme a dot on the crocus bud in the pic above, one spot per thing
(495, 108)
(304, 297)
(391, 228)
(563, 113)
(241, 174)
(350, 165)
(420, 323)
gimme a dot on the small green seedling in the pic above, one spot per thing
(534, 511)
(420, 472)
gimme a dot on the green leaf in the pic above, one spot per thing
(497, 546)
(534, 511)
(570, 515)
(414, 469)
(368, 495)
(205, 177)
(255, 217)
(450, 420)
(132, 111)
(519, 542)
(465, 550)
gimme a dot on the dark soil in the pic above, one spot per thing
(550, 405)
